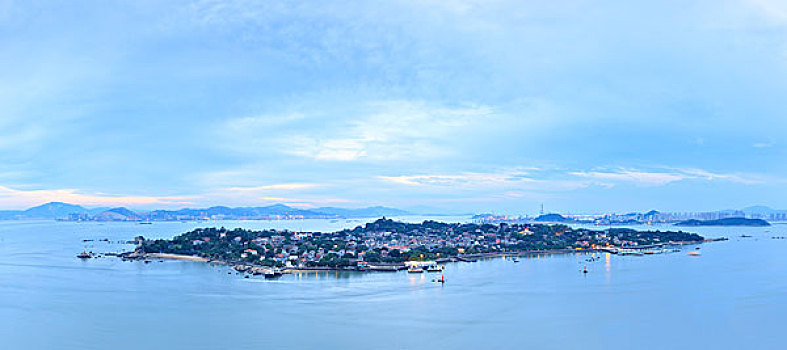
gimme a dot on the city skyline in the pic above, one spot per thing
(469, 106)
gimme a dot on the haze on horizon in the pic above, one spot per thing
(462, 105)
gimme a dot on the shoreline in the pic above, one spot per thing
(175, 257)
(250, 268)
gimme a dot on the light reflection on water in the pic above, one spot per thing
(50, 299)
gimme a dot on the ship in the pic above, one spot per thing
(415, 269)
(272, 274)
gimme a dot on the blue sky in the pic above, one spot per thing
(585, 106)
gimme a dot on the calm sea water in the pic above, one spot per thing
(734, 296)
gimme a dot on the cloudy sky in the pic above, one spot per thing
(584, 106)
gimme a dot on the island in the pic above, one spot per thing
(725, 222)
(387, 245)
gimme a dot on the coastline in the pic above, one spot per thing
(175, 257)
(253, 269)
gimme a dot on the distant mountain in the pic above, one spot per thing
(221, 212)
(761, 209)
(117, 214)
(71, 212)
(552, 218)
(96, 211)
(724, 222)
(53, 210)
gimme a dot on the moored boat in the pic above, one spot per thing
(434, 268)
(415, 269)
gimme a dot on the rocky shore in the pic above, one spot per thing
(271, 272)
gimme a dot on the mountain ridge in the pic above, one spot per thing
(72, 212)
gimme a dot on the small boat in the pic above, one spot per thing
(272, 274)
(695, 253)
(585, 269)
(415, 269)
(84, 255)
(516, 260)
(434, 268)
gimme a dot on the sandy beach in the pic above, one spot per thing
(175, 257)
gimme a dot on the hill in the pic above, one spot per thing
(552, 218)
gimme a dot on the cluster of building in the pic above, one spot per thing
(388, 241)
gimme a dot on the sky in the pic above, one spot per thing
(469, 106)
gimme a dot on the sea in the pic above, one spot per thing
(732, 296)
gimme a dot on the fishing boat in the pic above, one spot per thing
(272, 274)
(415, 269)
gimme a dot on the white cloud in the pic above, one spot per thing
(393, 130)
(763, 144)
(637, 177)
(274, 187)
(773, 9)
(509, 181)
(659, 178)
(15, 199)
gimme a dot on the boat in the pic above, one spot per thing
(585, 269)
(272, 274)
(384, 268)
(84, 255)
(434, 268)
(516, 260)
(415, 269)
(695, 253)
(146, 223)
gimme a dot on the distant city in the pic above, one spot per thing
(754, 214)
